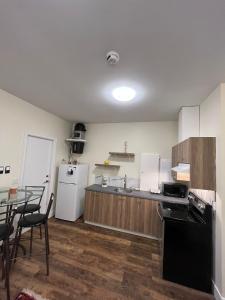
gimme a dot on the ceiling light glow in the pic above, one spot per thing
(124, 93)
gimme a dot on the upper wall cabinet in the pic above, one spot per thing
(188, 123)
(200, 153)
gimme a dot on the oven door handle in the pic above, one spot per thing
(160, 216)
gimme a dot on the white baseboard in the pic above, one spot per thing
(217, 294)
(122, 230)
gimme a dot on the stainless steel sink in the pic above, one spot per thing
(121, 190)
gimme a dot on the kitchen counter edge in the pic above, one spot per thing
(136, 194)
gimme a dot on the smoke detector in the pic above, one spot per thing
(112, 57)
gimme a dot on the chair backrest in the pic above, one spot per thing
(52, 197)
(36, 190)
(7, 216)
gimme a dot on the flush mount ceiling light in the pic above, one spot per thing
(124, 93)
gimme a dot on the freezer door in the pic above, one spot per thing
(67, 207)
(68, 174)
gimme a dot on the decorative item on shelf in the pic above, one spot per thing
(106, 162)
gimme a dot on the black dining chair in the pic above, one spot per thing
(29, 208)
(6, 229)
(32, 207)
(32, 221)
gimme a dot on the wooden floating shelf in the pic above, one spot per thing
(122, 154)
(107, 166)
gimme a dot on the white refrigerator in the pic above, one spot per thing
(72, 180)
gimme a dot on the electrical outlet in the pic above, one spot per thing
(1, 169)
(7, 169)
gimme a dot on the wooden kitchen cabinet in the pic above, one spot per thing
(123, 212)
(181, 153)
(200, 153)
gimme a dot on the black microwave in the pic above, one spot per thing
(175, 190)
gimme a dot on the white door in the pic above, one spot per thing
(149, 172)
(37, 165)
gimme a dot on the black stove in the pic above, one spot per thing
(187, 243)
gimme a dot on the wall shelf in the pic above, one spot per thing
(107, 166)
(122, 154)
(72, 140)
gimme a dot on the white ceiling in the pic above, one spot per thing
(52, 54)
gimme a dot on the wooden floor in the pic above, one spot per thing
(92, 263)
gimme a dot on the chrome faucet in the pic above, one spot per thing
(124, 181)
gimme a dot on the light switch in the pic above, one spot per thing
(1, 169)
(7, 169)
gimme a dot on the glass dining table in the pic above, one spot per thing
(21, 197)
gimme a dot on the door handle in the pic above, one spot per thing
(46, 181)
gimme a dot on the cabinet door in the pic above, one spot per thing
(117, 208)
(107, 205)
(185, 152)
(99, 208)
(181, 153)
(136, 212)
(152, 221)
(93, 207)
(174, 156)
(200, 153)
(88, 206)
(203, 163)
(143, 217)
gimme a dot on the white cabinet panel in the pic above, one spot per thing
(165, 170)
(149, 172)
(188, 123)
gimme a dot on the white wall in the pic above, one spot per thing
(19, 118)
(212, 116)
(150, 137)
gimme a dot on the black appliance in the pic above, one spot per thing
(174, 190)
(78, 147)
(187, 243)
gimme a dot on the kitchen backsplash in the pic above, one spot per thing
(119, 181)
(208, 196)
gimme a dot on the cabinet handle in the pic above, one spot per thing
(161, 218)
